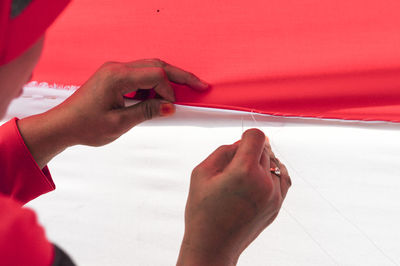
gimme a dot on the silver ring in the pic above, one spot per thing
(276, 171)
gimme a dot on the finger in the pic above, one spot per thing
(174, 74)
(183, 77)
(251, 147)
(277, 186)
(146, 110)
(267, 162)
(149, 78)
(265, 159)
(285, 180)
(219, 159)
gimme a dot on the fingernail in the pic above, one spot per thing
(167, 109)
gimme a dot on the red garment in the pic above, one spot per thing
(22, 239)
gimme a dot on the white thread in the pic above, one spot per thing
(310, 236)
(341, 214)
(252, 116)
(332, 206)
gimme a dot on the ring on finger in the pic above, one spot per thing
(276, 171)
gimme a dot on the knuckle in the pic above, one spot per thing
(159, 72)
(156, 73)
(196, 172)
(275, 201)
(110, 65)
(148, 109)
(222, 148)
(158, 62)
(112, 68)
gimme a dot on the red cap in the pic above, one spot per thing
(19, 33)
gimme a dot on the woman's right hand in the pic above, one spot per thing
(96, 113)
(233, 197)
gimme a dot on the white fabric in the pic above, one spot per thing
(123, 204)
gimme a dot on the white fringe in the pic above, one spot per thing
(56, 86)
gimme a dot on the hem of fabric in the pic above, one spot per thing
(329, 117)
(288, 115)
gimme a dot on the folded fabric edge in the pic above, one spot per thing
(348, 114)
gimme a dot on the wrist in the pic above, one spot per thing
(192, 255)
(45, 136)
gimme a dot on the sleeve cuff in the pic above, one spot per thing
(22, 178)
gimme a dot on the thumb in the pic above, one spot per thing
(146, 110)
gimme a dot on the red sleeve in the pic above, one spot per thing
(22, 239)
(20, 176)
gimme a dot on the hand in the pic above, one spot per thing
(97, 110)
(96, 113)
(233, 197)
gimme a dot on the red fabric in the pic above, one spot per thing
(21, 178)
(330, 59)
(19, 33)
(22, 239)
